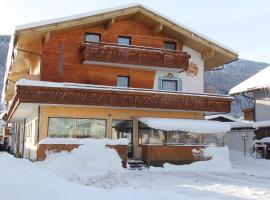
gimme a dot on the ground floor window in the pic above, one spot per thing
(149, 135)
(76, 128)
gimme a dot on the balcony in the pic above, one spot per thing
(138, 56)
(40, 92)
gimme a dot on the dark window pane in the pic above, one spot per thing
(169, 85)
(170, 45)
(122, 81)
(92, 37)
(124, 40)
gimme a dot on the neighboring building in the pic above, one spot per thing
(258, 85)
(96, 74)
(240, 139)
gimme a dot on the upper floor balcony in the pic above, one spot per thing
(123, 55)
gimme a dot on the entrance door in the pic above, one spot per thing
(123, 129)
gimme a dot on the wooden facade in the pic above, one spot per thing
(249, 114)
(72, 40)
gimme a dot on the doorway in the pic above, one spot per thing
(123, 129)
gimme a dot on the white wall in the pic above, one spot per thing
(233, 140)
(262, 110)
(194, 84)
(30, 146)
(262, 106)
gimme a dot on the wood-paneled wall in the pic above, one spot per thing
(73, 71)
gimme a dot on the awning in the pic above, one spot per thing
(188, 125)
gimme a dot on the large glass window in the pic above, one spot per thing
(124, 40)
(153, 136)
(122, 81)
(76, 128)
(169, 85)
(92, 37)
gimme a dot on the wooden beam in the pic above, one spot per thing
(158, 29)
(110, 23)
(47, 37)
(208, 54)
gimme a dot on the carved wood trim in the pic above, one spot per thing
(133, 55)
(118, 98)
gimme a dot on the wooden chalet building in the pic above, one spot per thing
(96, 74)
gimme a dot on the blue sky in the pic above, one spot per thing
(243, 25)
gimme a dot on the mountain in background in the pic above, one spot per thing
(216, 81)
(222, 80)
(4, 44)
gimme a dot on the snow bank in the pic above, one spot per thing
(219, 163)
(189, 125)
(87, 164)
(21, 179)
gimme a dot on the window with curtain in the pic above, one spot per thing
(169, 85)
(77, 128)
(170, 45)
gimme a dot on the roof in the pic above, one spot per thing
(188, 125)
(189, 36)
(260, 80)
(221, 117)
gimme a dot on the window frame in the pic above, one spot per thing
(125, 37)
(90, 33)
(128, 77)
(106, 123)
(170, 42)
(170, 80)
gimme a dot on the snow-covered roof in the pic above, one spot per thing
(261, 124)
(260, 80)
(226, 116)
(189, 125)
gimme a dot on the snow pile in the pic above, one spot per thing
(189, 125)
(89, 164)
(219, 163)
(21, 179)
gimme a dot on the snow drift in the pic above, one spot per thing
(87, 164)
(220, 162)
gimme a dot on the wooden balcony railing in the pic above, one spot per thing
(108, 53)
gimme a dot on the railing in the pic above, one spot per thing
(133, 55)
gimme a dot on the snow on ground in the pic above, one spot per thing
(79, 175)
(88, 164)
